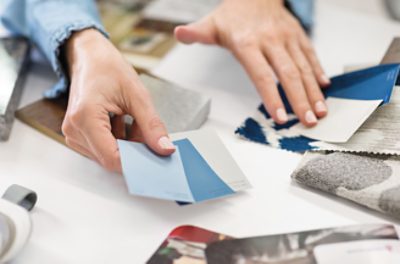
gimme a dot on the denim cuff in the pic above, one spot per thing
(57, 40)
(49, 24)
(303, 10)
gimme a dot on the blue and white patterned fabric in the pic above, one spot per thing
(261, 128)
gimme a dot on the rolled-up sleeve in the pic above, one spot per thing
(304, 11)
(49, 23)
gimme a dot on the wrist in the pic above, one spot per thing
(79, 45)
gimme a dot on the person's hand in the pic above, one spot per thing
(267, 39)
(102, 82)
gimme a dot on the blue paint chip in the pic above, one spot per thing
(375, 83)
(203, 182)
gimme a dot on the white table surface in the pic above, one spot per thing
(85, 215)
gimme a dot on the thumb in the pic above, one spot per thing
(202, 31)
(151, 127)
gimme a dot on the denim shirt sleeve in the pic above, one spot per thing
(304, 11)
(49, 23)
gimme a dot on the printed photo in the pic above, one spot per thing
(185, 244)
(296, 248)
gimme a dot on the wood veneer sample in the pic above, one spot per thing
(46, 115)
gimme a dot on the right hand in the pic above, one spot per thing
(102, 82)
(267, 40)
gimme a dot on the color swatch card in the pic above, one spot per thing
(200, 169)
(351, 99)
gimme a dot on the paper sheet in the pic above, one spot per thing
(379, 134)
(344, 118)
(366, 252)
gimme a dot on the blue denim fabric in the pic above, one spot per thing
(49, 23)
(304, 10)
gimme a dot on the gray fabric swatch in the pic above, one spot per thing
(370, 180)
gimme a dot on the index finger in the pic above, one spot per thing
(292, 83)
(261, 74)
(309, 51)
(139, 105)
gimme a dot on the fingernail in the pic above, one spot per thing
(310, 117)
(165, 143)
(281, 114)
(320, 107)
(325, 79)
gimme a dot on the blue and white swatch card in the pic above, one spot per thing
(200, 169)
(351, 99)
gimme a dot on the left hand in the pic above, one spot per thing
(267, 39)
(102, 82)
